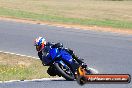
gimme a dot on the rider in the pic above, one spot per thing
(44, 47)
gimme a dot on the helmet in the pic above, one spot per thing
(39, 43)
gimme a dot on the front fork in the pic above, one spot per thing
(63, 64)
(72, 66)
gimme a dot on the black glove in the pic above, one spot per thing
(84, 65)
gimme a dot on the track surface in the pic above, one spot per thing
(106, 52)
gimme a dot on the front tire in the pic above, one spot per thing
(63, 73)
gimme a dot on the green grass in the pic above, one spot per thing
(117, 14)
(60, 19)
(14, 67)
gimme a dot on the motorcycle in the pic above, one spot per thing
(61, 63)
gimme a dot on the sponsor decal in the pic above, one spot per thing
(83, 77)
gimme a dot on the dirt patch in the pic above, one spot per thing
(94, 28)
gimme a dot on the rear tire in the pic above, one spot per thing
(66, 76)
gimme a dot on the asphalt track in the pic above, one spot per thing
(106, 52)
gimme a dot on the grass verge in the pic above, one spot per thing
(51, 18)
(14, 67)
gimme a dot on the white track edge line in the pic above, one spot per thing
(19, 54)
(33, 80)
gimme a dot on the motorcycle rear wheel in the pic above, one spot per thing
(63, 73)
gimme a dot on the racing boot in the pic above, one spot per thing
(51, 71)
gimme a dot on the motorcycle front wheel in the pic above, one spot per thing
(66, 72)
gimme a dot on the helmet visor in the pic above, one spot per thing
(38, 48)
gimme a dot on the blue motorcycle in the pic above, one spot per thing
(61, 63)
